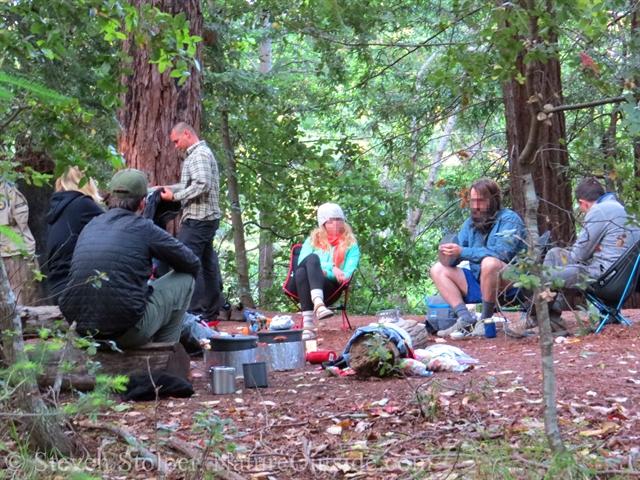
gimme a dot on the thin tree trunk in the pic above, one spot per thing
(433, 174)
(45, 433)
(526, 184)
(242, 264)
(546, 337)
(411, 175)
(608, 147)
(415, 143)
(265, 248)
(154, 103)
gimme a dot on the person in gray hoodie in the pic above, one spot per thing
(607, 232)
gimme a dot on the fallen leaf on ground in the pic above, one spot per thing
(607, 427)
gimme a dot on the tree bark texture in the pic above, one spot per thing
(265, 249)
(39, 200)
(154, 103)
(550, 162)
(45, 433)
(242, 264)
(546, 337)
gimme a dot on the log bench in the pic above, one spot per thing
(169, 357)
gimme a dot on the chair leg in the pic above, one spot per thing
(345, 321)
(602, 323)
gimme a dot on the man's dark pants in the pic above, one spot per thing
(198, 236)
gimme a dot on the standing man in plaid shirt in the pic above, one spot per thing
(199, 191)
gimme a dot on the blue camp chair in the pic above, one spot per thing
(610, 291)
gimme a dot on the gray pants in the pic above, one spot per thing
(565, 266)
(164, 315)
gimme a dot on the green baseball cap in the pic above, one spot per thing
(129, 183)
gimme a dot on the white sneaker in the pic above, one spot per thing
(448, 331)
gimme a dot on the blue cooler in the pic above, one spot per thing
(439, 315)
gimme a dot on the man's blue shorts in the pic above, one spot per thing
(474, 294)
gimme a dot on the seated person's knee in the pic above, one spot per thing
(491, 265)
(436, 270)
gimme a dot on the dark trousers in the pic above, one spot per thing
(308, 276)
(198, 236)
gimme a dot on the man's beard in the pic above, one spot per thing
(483, 222)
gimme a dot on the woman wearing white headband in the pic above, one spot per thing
(328, 259)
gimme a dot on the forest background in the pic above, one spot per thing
(390, 109)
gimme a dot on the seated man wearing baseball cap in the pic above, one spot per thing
(108, 294)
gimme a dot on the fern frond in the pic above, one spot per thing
(6, 95)
(41, 91)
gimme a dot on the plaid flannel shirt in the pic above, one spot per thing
(199, 188)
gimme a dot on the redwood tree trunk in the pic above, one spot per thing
(154, 103)
(551, 161)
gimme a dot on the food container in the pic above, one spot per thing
(223, 380)
(282, 349)
(231, 351)
(255, 375)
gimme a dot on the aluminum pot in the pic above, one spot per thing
(282, 349)
(232, 351)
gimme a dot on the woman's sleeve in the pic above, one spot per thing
(305, 251)
(351, 261)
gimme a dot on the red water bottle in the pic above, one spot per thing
(320, 356)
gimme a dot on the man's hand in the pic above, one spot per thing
(451, 249)
(340, 276)
(166, 194)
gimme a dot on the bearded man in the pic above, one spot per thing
(488, 241)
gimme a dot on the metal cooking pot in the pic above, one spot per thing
(284, 349)
(231, 351)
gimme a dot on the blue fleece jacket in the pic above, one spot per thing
(504, 241)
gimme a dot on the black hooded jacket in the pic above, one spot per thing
(69, 213)
(118, 245)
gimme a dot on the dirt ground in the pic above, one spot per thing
(309, 424)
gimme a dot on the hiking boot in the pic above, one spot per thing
(463, 332)
(523, 328)
(448, 331)
(558, 329)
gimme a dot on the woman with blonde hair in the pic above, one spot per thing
(328, 259)
(72, 207)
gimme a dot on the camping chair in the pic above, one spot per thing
(610, 291)
(293, 263)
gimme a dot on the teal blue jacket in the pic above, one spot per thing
(351, 259)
